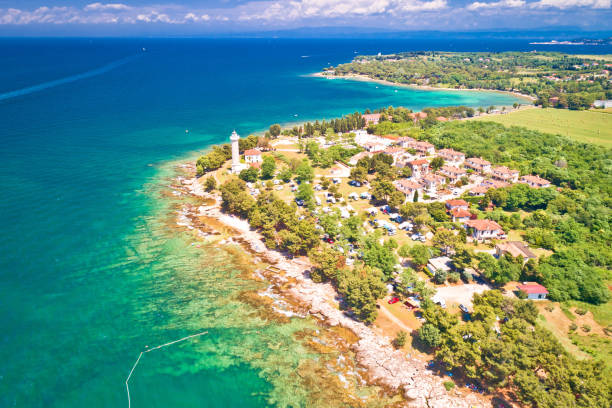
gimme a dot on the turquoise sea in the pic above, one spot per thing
(91, 268)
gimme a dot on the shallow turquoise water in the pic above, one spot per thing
(90, 270)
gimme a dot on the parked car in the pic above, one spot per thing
(464, 309)
(393, 300)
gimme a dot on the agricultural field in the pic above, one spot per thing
(590, 126)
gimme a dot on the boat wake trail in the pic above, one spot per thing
(84, 75)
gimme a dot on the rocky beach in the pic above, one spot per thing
(393, 370)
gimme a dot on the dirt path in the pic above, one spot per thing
(383, 310)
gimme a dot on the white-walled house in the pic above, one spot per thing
(535, 181)
(483, 230)
(408, 188)
(478, 164)
(503, 173)
(252, 156)
(453, 173)
(534, 291)
(451, 156)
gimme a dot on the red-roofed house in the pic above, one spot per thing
(534, 291)
(395, 152)
(478, 164)
(374, 147)
(418, 115)
(478, 191)
(424, 147)
(453, 173)
(408, 188)
(419, 167)
(535, 181)
(492, 183)
(432, 182)
(451, 156)
(405, 141)
(371, 118)
(457, 204)
(503, 173)
(485, 229)
(460, 215)
(514, 248)
(353, 160)
(252, 156)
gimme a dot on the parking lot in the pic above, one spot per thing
(460, 294)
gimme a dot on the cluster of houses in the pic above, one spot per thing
(479, 174)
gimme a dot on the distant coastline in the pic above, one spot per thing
(365, 78)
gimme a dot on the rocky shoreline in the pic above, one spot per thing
(385, 366)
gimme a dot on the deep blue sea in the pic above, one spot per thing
(91, 270)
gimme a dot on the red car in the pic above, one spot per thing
(393, 300)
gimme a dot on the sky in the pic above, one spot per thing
(194, 17)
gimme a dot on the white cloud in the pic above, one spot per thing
(106, 7)
(566, 4)
(196, 18)
(303, 9)
(413, 13)
(497, 4)
(103, 13)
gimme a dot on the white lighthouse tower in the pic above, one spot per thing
(237, 167)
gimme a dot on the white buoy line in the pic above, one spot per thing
(127, 380)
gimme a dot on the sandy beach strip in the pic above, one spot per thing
(365, 78)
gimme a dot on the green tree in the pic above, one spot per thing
(235, 199)
(304, 172)
(446, 240)
(378, 256)
(436, 163)
(210, 184)
(382, 189)
(400, 339)
(249, 175)
(440, 276)
(396, 199)
(429, 334)
(326, 264)
(285, 174)
(358, 174)
(275, 130)
(305, 193)
(268, 167)
(420, 255)
(361, 288)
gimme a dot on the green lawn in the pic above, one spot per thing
(586, 126)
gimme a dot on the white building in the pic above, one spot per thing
(237, 167)
(603, 103)
(252, 156)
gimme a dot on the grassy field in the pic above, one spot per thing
(586, 126)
